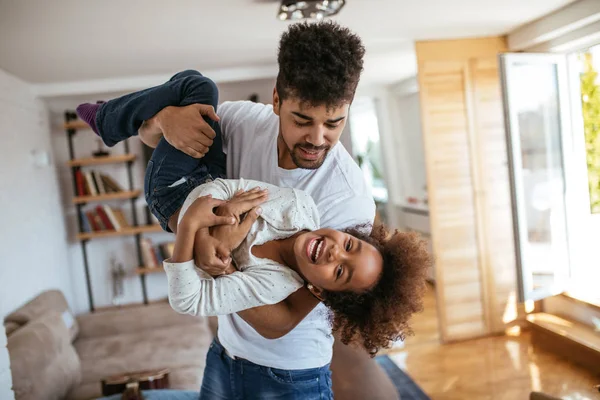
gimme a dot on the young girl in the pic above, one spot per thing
(371, 283)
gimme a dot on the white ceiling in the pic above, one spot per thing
(45, 41)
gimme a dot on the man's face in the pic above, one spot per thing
(307, 133)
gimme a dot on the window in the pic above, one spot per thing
(366, 149)
(589, 65)
(552, 108)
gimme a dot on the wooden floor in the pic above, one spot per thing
(494, 368)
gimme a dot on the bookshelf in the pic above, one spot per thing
(136, 230)
(147, 270)
(128, 194)
(81, 198)
(82, 162)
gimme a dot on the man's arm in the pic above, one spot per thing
(277, 320)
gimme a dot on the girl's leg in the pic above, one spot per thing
(121, 118)
(171, 174)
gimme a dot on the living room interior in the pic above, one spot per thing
(475, 123)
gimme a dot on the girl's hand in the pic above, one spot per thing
(244, 206)
(201, 214)
(211, 255)
(242, 202)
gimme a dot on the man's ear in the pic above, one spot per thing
(316, 291)
(276, 101)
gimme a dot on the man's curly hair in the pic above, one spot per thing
(378, 317)
(319, 63)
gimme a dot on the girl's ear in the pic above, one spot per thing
(316, 291)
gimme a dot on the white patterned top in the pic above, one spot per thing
(258, 281)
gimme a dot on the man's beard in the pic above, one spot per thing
(308, 164)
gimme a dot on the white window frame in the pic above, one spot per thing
(525, 288)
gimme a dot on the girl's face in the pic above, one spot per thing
(337, 261)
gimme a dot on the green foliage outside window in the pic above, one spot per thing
(590, 99)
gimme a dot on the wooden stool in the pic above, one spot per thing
(135, 381)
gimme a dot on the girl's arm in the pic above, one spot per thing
(192, 291)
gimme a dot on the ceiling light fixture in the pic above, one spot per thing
(314, 9)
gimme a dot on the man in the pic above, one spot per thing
(293, 143)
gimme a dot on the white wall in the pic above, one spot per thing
(101, 251)
(408, 139)
(33, 237)
(242, 90)
(399, 119)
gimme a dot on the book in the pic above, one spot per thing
(110, 183)
(111, 216)
(80, 182)
(167, 249)
(94, 183)
(148, 256)
(98, 221)
(92, 221)
(120, 218)
(98, 182)
(105, 220)
(85, 223)
(90, 184)
(158, 256)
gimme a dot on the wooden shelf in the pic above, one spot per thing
(81, 162)
(132, 230)
(76, 124)
(149, 270)
(105, 197)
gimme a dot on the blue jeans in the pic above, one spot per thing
(171, 174)
(239, 379)
(160, 394)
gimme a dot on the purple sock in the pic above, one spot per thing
(87, 113)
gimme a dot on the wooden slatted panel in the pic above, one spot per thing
(468, 184)
(451, 201)
(494, 194)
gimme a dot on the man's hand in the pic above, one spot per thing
(244, 207)
(185, 128)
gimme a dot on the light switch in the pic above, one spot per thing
(40, 158)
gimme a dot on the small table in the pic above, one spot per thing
(144, 380)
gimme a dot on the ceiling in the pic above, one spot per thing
(60, 41)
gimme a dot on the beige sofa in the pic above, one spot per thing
(54, 355)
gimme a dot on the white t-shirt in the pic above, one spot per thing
(343, 199)
(259, 281)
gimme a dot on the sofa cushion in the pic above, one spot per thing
(170, 347)
(43, 362)
(10, 327)
(43, 304)
(134, 319)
